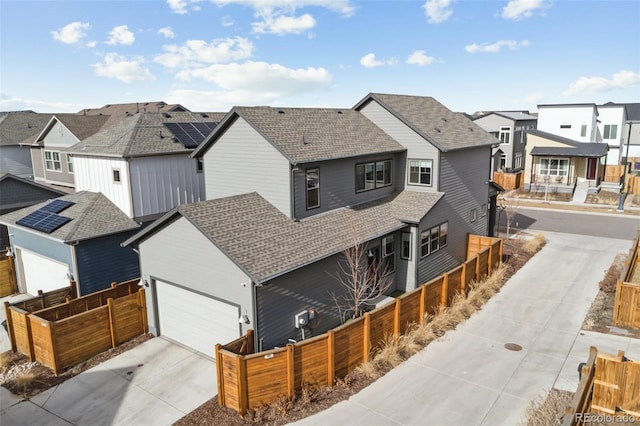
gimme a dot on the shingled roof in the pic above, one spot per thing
(573, 148)
(93, 215)
(117, 112)
(443, 128)
(17, 127)
(81, 126)
(311, 134)
(140, 135)
(265, 243)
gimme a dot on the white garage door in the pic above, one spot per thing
(194, 320)
(41, 273)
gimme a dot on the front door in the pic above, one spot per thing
(592, 168)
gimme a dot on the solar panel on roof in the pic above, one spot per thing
(56, 206)
(190, 135)
(43, 221)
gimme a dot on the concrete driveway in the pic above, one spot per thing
(468, 377)
(155, 383)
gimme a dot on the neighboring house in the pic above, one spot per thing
(559, 164)
(17, 193)
(51, 165)
(630, 149)
(510, 128)
(143, 164)
(611, 124)
(77, 237)
(117, 112)
(289, 189)
(15, 129)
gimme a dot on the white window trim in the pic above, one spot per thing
(113, 176)
(505, 131)
(419, 160)
(315, 188)
(53, 161)
(70, 163)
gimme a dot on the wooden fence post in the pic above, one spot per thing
(366, 338)
(112, 325)
(142, 305)
(396, 320)
(291, 374)
(423, 295)
(243, 399)
(219, 375)
(250, 342)
(32, 353)
(331, 358)
(490, 267)
(12, 275)
(463, 281)
(445, 289)
(51, 326)
(11, 331)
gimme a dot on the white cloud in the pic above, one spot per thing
(590, 85)
(261, 77)
(227, 21)
(534, 98)
(369, 61)
(123, 69)
(438, 11)
(516, 10)
(15, 103)
(343, 7)
(194, 53)
(166, 32)
(419, 57)
(121, 35)
(496, 47)
(284, 24)
(71, 33)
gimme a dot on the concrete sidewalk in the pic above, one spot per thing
(468, 377)
(155, 383)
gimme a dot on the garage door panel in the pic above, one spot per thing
(194, 320)
(42, 273)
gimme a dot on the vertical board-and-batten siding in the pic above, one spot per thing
(162, 182)
(101, 261)
(242, 161)
(181, 255)
(338, 184)
(417, 147)
(96, 174)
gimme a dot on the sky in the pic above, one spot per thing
(211, 55)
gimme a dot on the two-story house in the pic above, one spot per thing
(16, 128)
(289, 189)
(510, 128)
(142, 163)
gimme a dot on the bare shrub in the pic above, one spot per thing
(548, 409)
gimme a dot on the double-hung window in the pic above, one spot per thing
(420, 172)
(505, 135)
(388, 254)
(313, 188)
(70, 163)
(406, 246)
(52, 160)
(433, 239)
(372, 175)
(610, 131)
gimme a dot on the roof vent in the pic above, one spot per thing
(204, 115)
(437, 130)
(444, 119)
(166, 114)
(280, 111)
(470, 129)
(107, 106)
(304, 141)
(339, 111)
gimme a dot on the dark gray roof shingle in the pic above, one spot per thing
(445, 129)
(313, 134)
(81, 126)
(265, 243)
(93, 215)
(19, 127)
(141, 134)
(117, 112)
(573, 149)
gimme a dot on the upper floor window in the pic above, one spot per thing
(565, 126)
(432, 240)
(517, 160)
(373, 175)
(583, 130)
(199, 165)
(116, 175)
(406, 246)
(505, 134)
(610, 131)
(420, 172)
(313, 188)
(388, 254)
(52, 160)
(70, 163)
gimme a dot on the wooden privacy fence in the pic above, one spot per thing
(626, 307)
(631, 181)
(8, 282)
(609, 386)
(66, 334)
(247, 380)
(508, 180)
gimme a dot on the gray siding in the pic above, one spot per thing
(337, 184)
(15, 194)
(101, 261)
(37, 163)
(181, 255)
(242, 161)
(16, 160)
(464, 180)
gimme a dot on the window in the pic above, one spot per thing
(116, 175)
(406, 246)
(554, 166)
(313, 188)
(517, 160)
(432, 240)
(565, 126)
(388, 254)
(420, 172)
(483, 210)
(373, 175)
(610, 131)
(505, 134)
(52, 160)
(473, 215)
(503, 161)
(199, 165)
(70, 163)
(583, 130)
